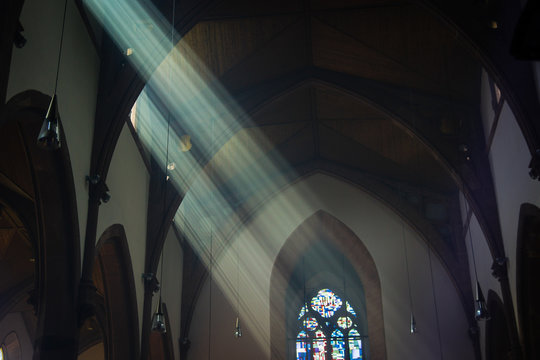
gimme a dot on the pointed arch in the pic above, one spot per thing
(322, 225)
(528, 271)
(118, 288)
(48, 183)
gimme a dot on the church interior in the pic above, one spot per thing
(300, 180)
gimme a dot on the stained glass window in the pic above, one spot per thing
(328, 330)
(310, 323)
(302, 312)
(350, 309)
(326, 303)
(1, 353)
(338, 345)
(319, 346)
(344, 322)
(302, 346)
(355, 345)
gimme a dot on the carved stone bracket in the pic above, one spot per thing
(499, 268)
(98, 189)
(151, 283)
(534, 165)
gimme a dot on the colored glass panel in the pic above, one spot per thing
(350, 309)
(355, 345)
(302, 346)
(338, 345)
(326, 303)
(344, 322)
(2, 353)
(319, 346)
(310, 323)
(303, 311)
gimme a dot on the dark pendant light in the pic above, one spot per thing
(49, 135)
(158, 320)
(480, 308)
(237, 329)
(412, 328)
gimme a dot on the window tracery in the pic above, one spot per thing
(327, 330)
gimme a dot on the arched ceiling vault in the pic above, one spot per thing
(379, 92)
(381, 88)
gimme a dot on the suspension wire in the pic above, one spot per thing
(237, 281)
(60, 47)
(166, 182)
(468, 211)
(435, 302)
(407, 267)
(210, 296)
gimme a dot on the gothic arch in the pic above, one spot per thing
(528, 271)
(50, 189)
(114, 280)
(497, 336)
(322, 225)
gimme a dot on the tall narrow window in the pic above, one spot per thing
(328, 329)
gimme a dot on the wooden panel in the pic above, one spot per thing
(283, 55)
(415, 40)
(292, 107)
(219, 45)
(340, 52)
(334, 104)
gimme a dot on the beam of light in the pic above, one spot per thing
(183, 94)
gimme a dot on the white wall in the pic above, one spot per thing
(34, 67)
(128, 183)
(381, 232)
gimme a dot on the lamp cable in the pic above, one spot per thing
(60, 47)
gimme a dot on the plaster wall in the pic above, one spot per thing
(128, 183)
(34, 67)
(437, 308)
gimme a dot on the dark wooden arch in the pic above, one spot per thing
(322, 225)
(528, 273)
(122, 325)
(57, 231)
(161, 343)
(498, 345)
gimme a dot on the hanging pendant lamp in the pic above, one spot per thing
(158, 320)
(480, 311)
(49, 135)
(412, 328)
(480, 308)
(237, 329)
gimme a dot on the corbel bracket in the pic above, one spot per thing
(499, 269)
(98, 189)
